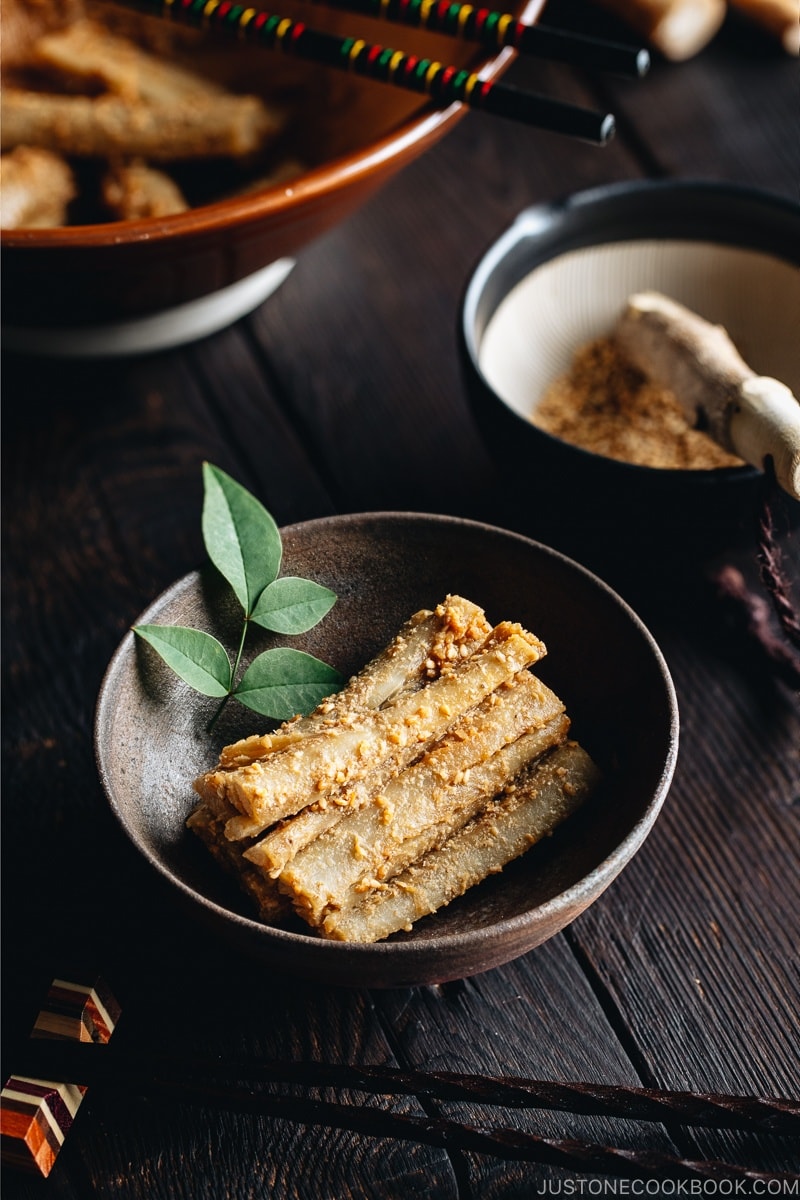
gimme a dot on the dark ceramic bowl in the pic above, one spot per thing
(560, 275)
(383, 567)
(353, 134)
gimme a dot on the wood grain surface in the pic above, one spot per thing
(342, 394)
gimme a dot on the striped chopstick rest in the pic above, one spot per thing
(77, 1012)
(35, 1118)
(36, 1114)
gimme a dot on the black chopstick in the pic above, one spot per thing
(494, 29)
(90, 1064)
(444, 83)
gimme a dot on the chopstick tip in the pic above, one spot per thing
(608, 127)
(642, 62)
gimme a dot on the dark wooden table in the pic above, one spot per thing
(342, 394)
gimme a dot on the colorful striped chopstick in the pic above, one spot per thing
(494, 30)
(443, 83)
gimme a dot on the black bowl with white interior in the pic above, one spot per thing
(558, 277)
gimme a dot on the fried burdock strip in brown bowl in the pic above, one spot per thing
(500, 772)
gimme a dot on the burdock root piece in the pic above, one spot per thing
(424, 804)
(428, 644)
(35, 188)
(286, 782)
(108, 126)
(209, 826)
(530, 808)
(439, 762)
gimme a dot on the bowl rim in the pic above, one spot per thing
(418, 130)
(408, 953)
(536, 222)
(325, 180)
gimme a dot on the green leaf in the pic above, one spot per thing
(283, 682)
(241, 538)
(197, 657)
(292, 605)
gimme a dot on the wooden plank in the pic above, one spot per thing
(535, 1017)
(721, 115)
(725, 114)
(113, 517)
(697, 944)
(254, 417)
(380, 397)
(240, 1009)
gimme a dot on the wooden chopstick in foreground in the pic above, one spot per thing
(89, 1064)
(443, 83)
(219, 1085)
(86, 1063)
(497, 1141)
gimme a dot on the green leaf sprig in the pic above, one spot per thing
(244, 544)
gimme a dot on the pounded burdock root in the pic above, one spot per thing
(273, 908)
(428, 644)
(432, 768)
(313, 900)
(414, 810)
(287, 781)
(530, 808)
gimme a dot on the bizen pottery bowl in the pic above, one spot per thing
(559, 277)
(151, 742)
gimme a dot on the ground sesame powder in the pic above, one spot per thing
(604, 404)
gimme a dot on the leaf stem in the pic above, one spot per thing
(245, 625)
(218, 712)
(232, 688)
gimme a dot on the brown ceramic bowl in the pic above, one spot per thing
(383, 567)
(354, 134)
